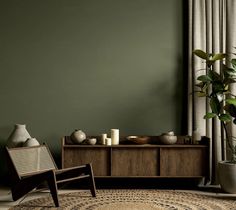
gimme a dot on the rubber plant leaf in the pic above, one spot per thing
(233, 61)
(230, 71)
(218, 56)
(225, 117)
(214, 75)
(231, 101)
(218, 87)
(204, 78)
(201, 94)
(231, 109)
(201, 54)
(209, 115)
(215, 105)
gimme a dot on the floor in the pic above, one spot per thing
(6, 200)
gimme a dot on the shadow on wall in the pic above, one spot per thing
(5, 132)
(180, 97)
(3, 163)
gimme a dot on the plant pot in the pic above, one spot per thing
(227, 176)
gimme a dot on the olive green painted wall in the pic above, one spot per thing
(90, 64)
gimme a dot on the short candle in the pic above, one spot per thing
(108, 141)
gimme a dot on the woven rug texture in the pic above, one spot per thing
(131, 200)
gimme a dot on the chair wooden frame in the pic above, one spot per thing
(22, 183)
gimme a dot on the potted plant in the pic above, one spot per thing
(216, 87)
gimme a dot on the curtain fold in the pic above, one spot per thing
(212, 28)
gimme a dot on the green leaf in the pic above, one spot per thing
(218, 87)
(228, 81)
(204, 78)
(233, 61)
(231, 109)
(218, 56)
(225, 117)
(231, 101)
(230, 71)
(209, 115)
(201, 54)
(201, 94)
(214, 75)
(215, 105)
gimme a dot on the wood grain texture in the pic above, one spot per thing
(183, 162)
(148, 160)
(134, 162)
(99, 157)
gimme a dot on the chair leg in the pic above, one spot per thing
(91, 180)
(53, 188)
(25, 185)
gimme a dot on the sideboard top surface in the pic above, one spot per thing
(66, 142)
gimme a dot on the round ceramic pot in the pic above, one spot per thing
(227, 176)
(78, 136)
(168, 139)
(31, 142)
(91, 141)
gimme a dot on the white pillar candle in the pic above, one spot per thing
(196, 136)
(108, 141)
(115, 136)
(103, 138)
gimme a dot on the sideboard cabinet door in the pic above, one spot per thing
(135, 161)
(99, 157)
(176, 162)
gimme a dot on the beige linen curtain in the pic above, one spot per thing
(212, 28)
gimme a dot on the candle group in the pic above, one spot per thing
(114, 140)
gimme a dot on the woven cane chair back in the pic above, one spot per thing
(31, 160)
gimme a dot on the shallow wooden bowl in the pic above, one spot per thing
(139, 139)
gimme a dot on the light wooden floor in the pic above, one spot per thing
(6, 201)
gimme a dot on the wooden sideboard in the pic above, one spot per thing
(144, 161)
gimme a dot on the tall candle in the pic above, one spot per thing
(115, 136)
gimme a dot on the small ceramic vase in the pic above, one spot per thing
(91, 141)
(168, 138)
(30, 142)
(78, 136)
(18, 136)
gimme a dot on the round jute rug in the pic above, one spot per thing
(131, 200)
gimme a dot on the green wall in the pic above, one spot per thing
(90, 64)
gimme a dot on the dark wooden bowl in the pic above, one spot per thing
(138, 139)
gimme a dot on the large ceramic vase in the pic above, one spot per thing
(227, 176)
(18, 136)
